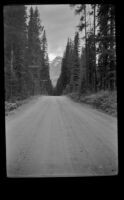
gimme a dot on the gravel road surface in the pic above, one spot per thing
(54, 136)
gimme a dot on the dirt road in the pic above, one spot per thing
(54, 136)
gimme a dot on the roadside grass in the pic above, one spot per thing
(13, 104)
(103, 100)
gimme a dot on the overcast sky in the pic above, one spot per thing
(60, 23)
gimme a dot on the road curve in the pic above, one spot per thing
(54, 136)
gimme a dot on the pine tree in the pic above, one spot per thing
(83, 86)
(76, 65)
(93, 12)
(34, 53)
(101, 75)
(112, 52)
(69, 80)
(14, 45)
(91, 66)
(106, 49)
(63, 83)
(82, 10)
(44, 73)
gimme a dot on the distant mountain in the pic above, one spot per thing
(55, 69)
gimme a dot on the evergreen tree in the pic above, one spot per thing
(34, 41)
(112, 51)
(82, 10)
(24, 57)
(14, 45)
(34, 52)
(69, 80)
(76, 65)
(44, 73)
(37, 54)
(106, 49)
(83, 86)
(93, 43)
(101, 75)
(91, 67)
(63, 83)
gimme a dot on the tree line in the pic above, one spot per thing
(95, 68)
(26, 63)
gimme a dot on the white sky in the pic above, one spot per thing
(60, 23)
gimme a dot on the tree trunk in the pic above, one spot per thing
(86, 77)
(95, 48)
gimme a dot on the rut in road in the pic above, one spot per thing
(55, 136)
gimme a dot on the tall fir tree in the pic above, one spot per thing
(14, 45)
(44, 74)
(83, 86)
(63, 83)
(82, 11)
(106, 49)
(34, 52)
(76, 64)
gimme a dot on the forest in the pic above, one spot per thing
(70, 129)
(89, 76)
(95, 68)
(26, 63)
(85, 69)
